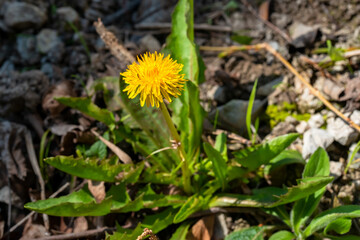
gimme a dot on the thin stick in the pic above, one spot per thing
(317, 67)
(33, 212)
(315, 92)
(85, 234)
(120, 153)
(35, 166)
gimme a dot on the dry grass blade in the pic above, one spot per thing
(120, 153)
(117, 50)
(36, 168)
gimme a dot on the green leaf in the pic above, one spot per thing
(242, 39)
(146, 198)
(262, 154)
(340, 226)
(181, 232)
(76, 204)
(251, 233)
(220, 145)
(87, 107)
(181, 40)
(125, 233)
(325, 218)
(249, 110)
(286, 157)
(159, 221)
(98, 149)
(192, 205)
(92, 168)
(271, 197)
(219, 164)
(187, 114)
(318, 165)
(119, 196)
(305, 188)
(282, 235)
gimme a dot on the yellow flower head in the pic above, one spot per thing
(154, 78)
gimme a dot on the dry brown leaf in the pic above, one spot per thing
(80, 225)
(62, 89)
(203, 229)
(64, 228)
(264, 10)
(332, 89)
(97, 189)
(32, 231)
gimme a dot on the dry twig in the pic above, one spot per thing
(116, 49)
(267, 47)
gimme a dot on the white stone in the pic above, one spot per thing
(315, 138)
(302, 127)
(341, 131)
(316, 121)
(336, 169)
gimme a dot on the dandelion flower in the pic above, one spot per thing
(154, 78)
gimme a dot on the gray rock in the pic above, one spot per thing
(232, 115)
(314, 138)
(22, 90)
(26, 47)
(282, 128)
(302, 127)
(149, 43)
(217, 93)
(20, 15)
(336, 169)
(341, 131)
(46, 40)
(268, 88)
(316, 121)
(302, 35)
(67, 14)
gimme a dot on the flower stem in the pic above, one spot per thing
(180, 148)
